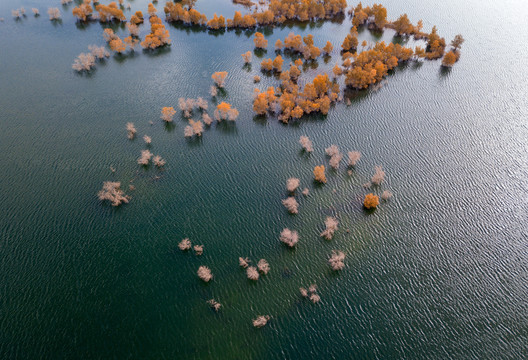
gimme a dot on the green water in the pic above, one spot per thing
(438, 272)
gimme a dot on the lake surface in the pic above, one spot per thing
(437, 272)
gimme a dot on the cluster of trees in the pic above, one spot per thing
(452, 56)
(158, 37)
(278, 11)
(289, 101)
(83, 11)
(304, 46)
(137, 18)
(404, 27)
(275, 65)
(335, 156)
(194, 128)
(86, 61)
(110, 12)
(375, 16)
(224, 111)
(311, 293)
(18, 13)
(112, 192)
(185, 245)
(371, 66)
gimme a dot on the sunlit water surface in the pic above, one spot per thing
(438, 272)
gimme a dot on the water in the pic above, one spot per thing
(437, 272)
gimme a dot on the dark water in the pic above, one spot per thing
(438, 272)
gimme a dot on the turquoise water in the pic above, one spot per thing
(439, 271)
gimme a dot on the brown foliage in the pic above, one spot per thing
(449, 59)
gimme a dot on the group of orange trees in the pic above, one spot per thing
(158, 36)
(278, 12)
(289, 100)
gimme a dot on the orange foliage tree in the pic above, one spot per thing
(371, 201)
(137, 18)
(449, 59)
(110, 12)
(277, 63)
(260, 41)
(319, 174)
(83, 11)
(159, 36)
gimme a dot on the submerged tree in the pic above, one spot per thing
(457, 42)
(252, 273)
(54, 13)
(291, 204)
(335, 156)
(378, 176)
(184, 245)
(247, 57)
(131, 130)
(371, 201)
(194, 128)
(225, 111)
(336, 260)
(167, 113)
(261, 321)
(112, 192)
(158, 37)
(449, 59)
(83, 11)
(219, 78)
(311, 293)
(204, 273)
(386, 195)
(144, 158)
(243, 262)
(319, 174)
(306, 143)
(289, 237)
(84, 62)
(98, 51)
(214, 304)
(110, 12)
(353, 157)
(292, 184)
(260, 41)
(263, 266)
(158, 161)
(331, 227)
(198, 249)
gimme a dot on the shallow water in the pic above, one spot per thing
(439, 271)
